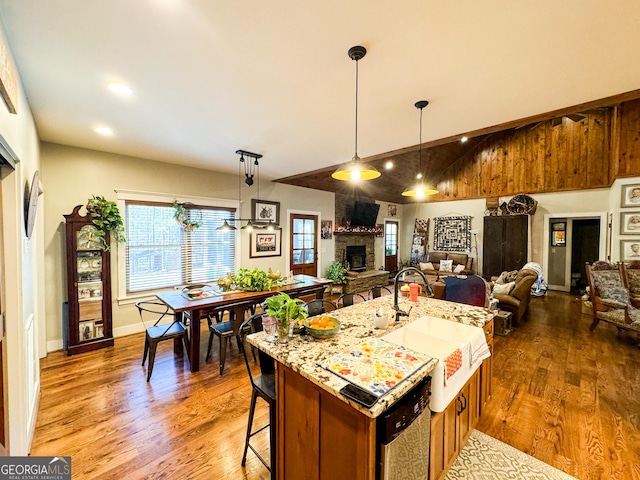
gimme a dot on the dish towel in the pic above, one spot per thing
(479, 349)
(452, 364)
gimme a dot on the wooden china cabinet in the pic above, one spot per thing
(88, 286)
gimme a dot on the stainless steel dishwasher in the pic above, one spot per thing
(403, 434)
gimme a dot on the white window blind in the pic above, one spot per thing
(161, 254)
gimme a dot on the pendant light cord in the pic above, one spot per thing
(356, 149)
(420, 147)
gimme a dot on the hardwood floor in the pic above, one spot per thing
(569, 397)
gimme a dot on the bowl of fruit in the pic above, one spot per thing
(322, 326)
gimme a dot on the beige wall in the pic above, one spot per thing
(22, 278)
(71, 175)
(584, 203)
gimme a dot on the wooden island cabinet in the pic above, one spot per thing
(336, 437)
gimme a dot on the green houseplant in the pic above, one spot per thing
(106, 217)
(337, 273)
(255, 280)
(286, 311)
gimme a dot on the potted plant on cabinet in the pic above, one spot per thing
(286, 311)
(338, 274)
(106, 217)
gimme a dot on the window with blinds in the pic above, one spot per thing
(161, 254)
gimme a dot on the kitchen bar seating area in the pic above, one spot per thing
(206, 435)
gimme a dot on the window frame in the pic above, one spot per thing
(124, 297)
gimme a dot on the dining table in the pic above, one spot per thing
(214, 299)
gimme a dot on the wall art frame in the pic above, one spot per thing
(265, 244)
(326, 229)
(265, 211)
(452, 234)
(630, 223)
(630, 195)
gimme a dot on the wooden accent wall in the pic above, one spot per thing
(542, 158)
(627, 163)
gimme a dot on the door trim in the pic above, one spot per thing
(547, 240)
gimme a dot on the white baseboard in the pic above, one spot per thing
(55, 345)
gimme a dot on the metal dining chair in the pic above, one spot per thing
(263, 386)
(155, 312)
(225, 330)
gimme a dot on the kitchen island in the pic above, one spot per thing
(321, 433)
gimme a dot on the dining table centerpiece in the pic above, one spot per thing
(287, 311)
(255, 280)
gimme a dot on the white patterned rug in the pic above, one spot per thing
(485, 458)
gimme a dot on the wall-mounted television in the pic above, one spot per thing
(364, 214)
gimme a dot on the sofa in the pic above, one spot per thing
(517, 299)
(461, 264)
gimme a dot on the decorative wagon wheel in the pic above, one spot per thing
(521, 204)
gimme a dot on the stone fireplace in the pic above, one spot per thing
(364, 242)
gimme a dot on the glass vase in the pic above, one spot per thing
(285, 330)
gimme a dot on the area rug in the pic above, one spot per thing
(485, 458)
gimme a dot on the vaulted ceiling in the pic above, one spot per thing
(211, 76)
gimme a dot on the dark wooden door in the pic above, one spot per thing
(304, 244)
(505, 245)
(391, 246)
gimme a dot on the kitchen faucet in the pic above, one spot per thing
(427, 287)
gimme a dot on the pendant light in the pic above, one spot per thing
(420, 189)
(251, 169)
(356, 169)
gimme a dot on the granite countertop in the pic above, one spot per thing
(304, 352)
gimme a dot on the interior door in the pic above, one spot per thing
(391, 246)
(304, 244)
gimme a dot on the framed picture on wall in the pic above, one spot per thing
(266, 244)
(558, 234)
(629, 250)
(630, 195)
(264, 211)
(630, 223)
(326, 229)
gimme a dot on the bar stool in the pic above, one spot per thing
(263, 386)
(319, 306)
(347, 299)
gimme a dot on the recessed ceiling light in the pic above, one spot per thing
(388, 165)
(419, 176)
(106, 131)
(120, 89)
(464, 139)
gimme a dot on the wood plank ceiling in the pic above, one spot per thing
(438, 156)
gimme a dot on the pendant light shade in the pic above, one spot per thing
(420, 189)
(225, 227)
(356, 169)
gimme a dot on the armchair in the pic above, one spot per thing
(610, 300)
(517, 300)
(631, 277)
